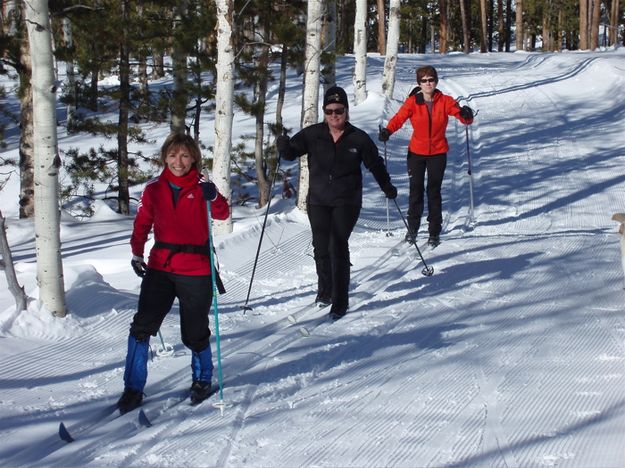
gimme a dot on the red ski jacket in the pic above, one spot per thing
(183, 224)
(428, 135)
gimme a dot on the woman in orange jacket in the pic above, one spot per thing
(428, 110)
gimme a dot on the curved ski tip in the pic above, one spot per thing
(291, 318)
(64, 433)
(304, 331)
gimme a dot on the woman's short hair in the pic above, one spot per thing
(177, 139)
(426, 71)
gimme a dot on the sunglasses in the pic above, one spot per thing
(427, 80)
(339, 111)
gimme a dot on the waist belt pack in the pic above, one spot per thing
(203, 249)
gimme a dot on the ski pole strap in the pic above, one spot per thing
(220, 285)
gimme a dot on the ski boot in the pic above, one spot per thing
(434, 241)
(200, 391)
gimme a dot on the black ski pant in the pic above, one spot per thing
(417, 167)
(331, 227)
(159, 289)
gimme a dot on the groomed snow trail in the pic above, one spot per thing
(511, 354)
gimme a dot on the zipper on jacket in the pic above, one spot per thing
(430, 127)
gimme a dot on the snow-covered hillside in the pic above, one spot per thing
(511, 354)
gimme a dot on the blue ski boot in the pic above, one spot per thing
(202, 372)
(135, 374)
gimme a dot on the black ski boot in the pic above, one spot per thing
(322, 301)
(129, 400)
(200, 391)
(335, 316)
(434, 241)
(411, 237)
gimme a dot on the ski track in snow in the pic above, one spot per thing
(490, 361)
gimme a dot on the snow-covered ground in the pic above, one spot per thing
(511, 354)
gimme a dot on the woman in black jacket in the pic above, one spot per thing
(336, 149)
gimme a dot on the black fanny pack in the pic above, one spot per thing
(203, 249)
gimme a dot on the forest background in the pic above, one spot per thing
(139, 42)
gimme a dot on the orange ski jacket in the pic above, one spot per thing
(428, 135)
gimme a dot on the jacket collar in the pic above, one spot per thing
(188, 180)
(418, 94)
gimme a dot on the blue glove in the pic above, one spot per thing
(209, 190)
(138, 265)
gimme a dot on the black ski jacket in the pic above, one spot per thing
(335, 177)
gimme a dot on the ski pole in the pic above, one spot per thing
(160, 335)
(427, 271)
(166, 349)
(215, 311)
(388, 221)
(466, 129)
(262, 233)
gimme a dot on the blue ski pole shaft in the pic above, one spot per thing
(215, 305)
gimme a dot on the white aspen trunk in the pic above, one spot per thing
(392, 46)
(360, 52)
(47, 161)
(312, 74)
(26, 146)
(224, 94)
(21, 300)
(70, 74)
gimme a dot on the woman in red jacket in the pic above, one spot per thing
(428, 110)
(174, 206)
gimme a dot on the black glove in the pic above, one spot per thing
(209, 190)
(283, 144)
(390, 191)
(466, 113)
(384, 134)
(138, 265)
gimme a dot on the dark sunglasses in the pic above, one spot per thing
(339, 111)
(427, 80)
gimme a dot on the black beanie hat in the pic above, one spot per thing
(335, 95)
